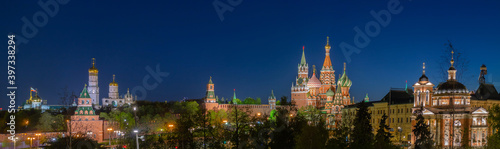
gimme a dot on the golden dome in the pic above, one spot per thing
(113, 83)
(328, 43)
(93, 69)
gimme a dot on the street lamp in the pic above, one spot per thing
(15, 140)
(109, 135)
(31, 141)
(38, 134)
(136, 138)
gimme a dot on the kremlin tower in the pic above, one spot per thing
(299, 90)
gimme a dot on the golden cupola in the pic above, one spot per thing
(93, 69)
(113, 83)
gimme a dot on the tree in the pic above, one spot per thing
(249, 100)
(422, 133)
(383, 137)
(284, 100)
(239, 119)
(313, 136)
(339, 138)
(494, 122)
(45, 123)
(362, 135)
(236, 101)
(258, 101)
(461, 63)
(79, 143)
(286, 128)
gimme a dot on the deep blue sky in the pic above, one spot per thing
(255, 49)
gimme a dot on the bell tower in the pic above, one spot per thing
(93, 87)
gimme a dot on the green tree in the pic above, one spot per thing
(339, 138)
(383, 137)
(237, 101)
(78, 143)
(249, 100)
(45, 123)
(494, 122)
(286, 128)
(422, 133)
(313, 136)
(362, 135)
(258, 101)
(239, 119)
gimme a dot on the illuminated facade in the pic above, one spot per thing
(397, 104)
(322, 93)
(448, 111)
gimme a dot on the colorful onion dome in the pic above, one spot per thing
(314, 82)
(344, 81)
(330, 93)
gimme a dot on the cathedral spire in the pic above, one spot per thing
(303, 60)
(314, 70)
(344, 67)
(327, 64)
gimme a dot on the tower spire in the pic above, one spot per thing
(344, 67)
(327, 64)
(406, 85)
(113, 77)
(327, 42)
(234, 94)
(210, 81)
(303, 60)
(314, 70)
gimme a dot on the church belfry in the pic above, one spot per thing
(93, 87)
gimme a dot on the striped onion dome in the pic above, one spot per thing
(314, 82)
(344, 81)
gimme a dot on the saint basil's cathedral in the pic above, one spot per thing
(323, 93)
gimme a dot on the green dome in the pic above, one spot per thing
(330, 92)
(344, 81)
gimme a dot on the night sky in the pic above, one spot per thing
(255, 49)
